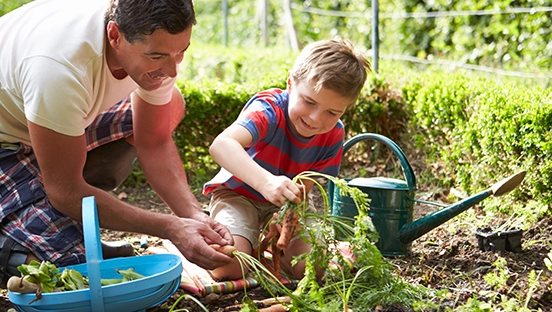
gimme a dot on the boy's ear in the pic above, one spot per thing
(289, 84)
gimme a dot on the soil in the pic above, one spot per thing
(447, 257)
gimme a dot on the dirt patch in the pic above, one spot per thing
(441, 259)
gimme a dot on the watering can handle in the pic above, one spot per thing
(407, 169)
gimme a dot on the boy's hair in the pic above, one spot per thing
(139, 18)
(332, 64)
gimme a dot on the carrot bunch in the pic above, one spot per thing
(279, 234)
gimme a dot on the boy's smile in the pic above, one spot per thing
(311, 112)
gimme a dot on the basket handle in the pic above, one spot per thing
(93, 247)
(407, 169)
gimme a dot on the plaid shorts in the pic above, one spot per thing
(26, 214)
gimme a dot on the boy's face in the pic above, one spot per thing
(311, 112)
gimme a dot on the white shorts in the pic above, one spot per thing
(242, 215)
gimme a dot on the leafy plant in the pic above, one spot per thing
(366, 282)
(548, 261)
(186, 296)
(44, 277)
(499, 276)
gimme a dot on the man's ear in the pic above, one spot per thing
(113, 34)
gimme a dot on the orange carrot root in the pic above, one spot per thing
(274, 308)
(290, 222)
(276, 260)
(272, 235)
(228, 250)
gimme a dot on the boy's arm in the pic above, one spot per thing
(228, 151)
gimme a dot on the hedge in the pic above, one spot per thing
(471, 131)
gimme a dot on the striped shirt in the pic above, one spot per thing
(276, 148)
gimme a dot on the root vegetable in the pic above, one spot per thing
(20, 285)
(266, 305)
(276, 261)
(289, 224)
(271, 235)
(228, 250)
(274, 308)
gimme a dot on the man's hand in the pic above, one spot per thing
(192, 237)
(224, 236)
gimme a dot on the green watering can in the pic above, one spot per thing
(392, 202)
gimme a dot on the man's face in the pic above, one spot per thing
(313, 112)
(148, 62)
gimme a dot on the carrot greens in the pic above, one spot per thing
(357, 283)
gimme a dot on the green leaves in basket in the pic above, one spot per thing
(47, 276)
(72, 280)
(44, 274)
(129, 274)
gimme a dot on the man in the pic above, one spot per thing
(85, 87)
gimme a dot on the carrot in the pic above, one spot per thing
(291, 219)
(274, 308)
(264, 305)
(271, 301)
(227, 249)
(276, 260)
(272, 234)
(21, 285)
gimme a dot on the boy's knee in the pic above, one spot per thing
(229, 272)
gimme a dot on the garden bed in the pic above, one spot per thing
(441, 259)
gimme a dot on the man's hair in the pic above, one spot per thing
(332, 64)
(139, 18)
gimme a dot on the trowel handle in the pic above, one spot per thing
(407, 169)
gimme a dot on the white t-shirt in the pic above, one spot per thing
(53, 70)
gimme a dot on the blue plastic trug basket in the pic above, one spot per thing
(162, 279)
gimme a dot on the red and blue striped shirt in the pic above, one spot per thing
(276, 148)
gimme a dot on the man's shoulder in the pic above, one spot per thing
(44, 26)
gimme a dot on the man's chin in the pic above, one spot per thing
(150, 86)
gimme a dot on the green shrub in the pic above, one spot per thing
(482, 131)
(471, 131)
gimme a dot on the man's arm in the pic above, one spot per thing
(61, 159)
(158, 155)
(159, 159)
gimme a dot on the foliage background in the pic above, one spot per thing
(470, 129)
(512, 41)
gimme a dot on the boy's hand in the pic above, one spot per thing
(279, 189)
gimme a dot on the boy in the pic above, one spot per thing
(279, 134)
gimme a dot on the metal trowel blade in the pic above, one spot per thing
(508, 184)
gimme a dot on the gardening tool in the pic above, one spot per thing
(392, 202)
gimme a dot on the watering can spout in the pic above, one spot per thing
(415, 229)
